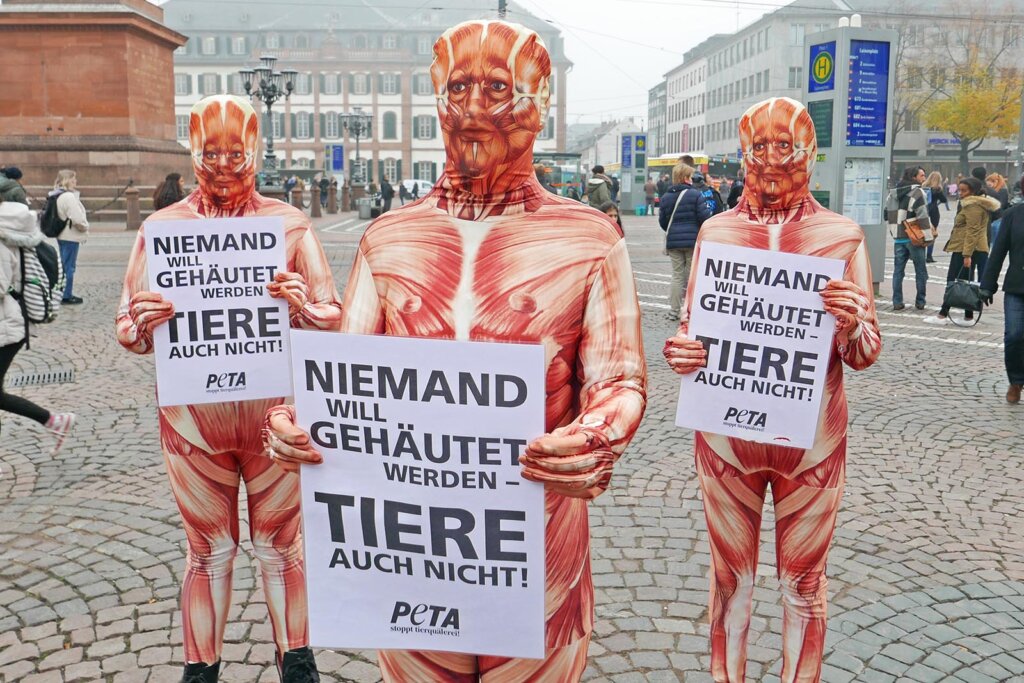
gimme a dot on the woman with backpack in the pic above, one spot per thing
(18, 230)
(71, 212)
(682, 212)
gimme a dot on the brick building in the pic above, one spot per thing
(348, 53)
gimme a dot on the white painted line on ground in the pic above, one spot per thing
(653, 296)
(641, 272)
(358, 226)
(963, 342)
(329, 228)
(651, 304)
(653, 282)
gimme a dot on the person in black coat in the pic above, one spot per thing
(736, 191)
(387, 193)
(1010, 241)
(681, 213)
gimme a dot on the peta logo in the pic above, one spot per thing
(751, 419)
(436, 616)
(226, 380)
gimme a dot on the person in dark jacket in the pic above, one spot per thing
(11, 189)
(325, 189)
(682, 212)
(736, 191)
(387, 193)
(908, 202)
(1010, 241)
(711, 196)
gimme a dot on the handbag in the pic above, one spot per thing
(917, 236)
(966, 296)
(670, 218)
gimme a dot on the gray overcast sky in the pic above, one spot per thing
(621, 48)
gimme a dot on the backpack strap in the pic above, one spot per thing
(21, 297)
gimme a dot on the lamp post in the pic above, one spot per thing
(269, 86)
(356, 122)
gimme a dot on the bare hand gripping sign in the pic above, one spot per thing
(418, 527)
(228, 339)
(768, 338)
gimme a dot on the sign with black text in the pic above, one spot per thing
(768, 336)
(228, 340)
(420, 533)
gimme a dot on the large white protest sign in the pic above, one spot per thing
(419, 531)
(768, 339)
(228, 340)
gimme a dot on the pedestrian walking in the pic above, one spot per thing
(712, 196)
(289, 185)
(736, 191)
(681, 215)
(650, 191)
(403, 192)
(996, 184)
(935, 194)
(968, 243)
(663, 185)
(11, 189)
(71, 212)
(907, 202)
(170, 191)
(325, 190)
(19, 230)
(1010, 242)
(599, 187)
(387, 193)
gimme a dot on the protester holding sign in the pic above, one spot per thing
(207, 448)
(489, 255)
(777, 213)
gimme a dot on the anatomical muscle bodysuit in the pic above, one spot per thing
(777, 213)
(207, 448)
(489, 255)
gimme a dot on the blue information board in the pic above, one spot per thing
(627, 151)
(869, 93)
(822, 67)
(338, 158)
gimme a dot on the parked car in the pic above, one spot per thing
(423, 186)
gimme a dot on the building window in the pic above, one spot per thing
(424, 86)
(911, 122)
(331, 85)
(182, 84)
(359, 42)
(796, 34)
(209, 85)
(273, 41)
(303, 84)
(424, 44)
(390, 41)
(425, 127)
(757, 82)
(302, 125)
(301, 41)
(181, 124)
(915, 75)
(424, 170)
(238, 45)
(796, 76)
(332, 125)
(209, 45)
(278, 126)
(360, 84)
(236, 84)
(389, 84)
(391, 169)
(548, 131)
(390, 125)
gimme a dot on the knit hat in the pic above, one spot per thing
(12, 172)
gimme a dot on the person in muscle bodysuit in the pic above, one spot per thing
(776, 212)
(489, 255)
(207, 448)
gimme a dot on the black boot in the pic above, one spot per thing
(298, 666)
(201, 672)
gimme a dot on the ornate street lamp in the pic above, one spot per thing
(356, 122)
(265, 84)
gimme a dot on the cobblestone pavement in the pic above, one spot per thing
(927, 569)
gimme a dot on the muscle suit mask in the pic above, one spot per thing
(777, 213)
(224, 135)
(489, 255)
(208, 449)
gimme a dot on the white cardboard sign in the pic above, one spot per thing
(768, 338)
(420, 532)
(228, 340)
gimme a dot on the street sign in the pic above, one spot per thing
(821, 113)
(627, 151)
(641, 144)
(823, 67)
(338, 158)
(868, 93)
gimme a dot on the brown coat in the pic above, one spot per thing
(970, 229)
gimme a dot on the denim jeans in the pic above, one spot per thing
(69, 258)
(903, 252)
(1013, 337)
